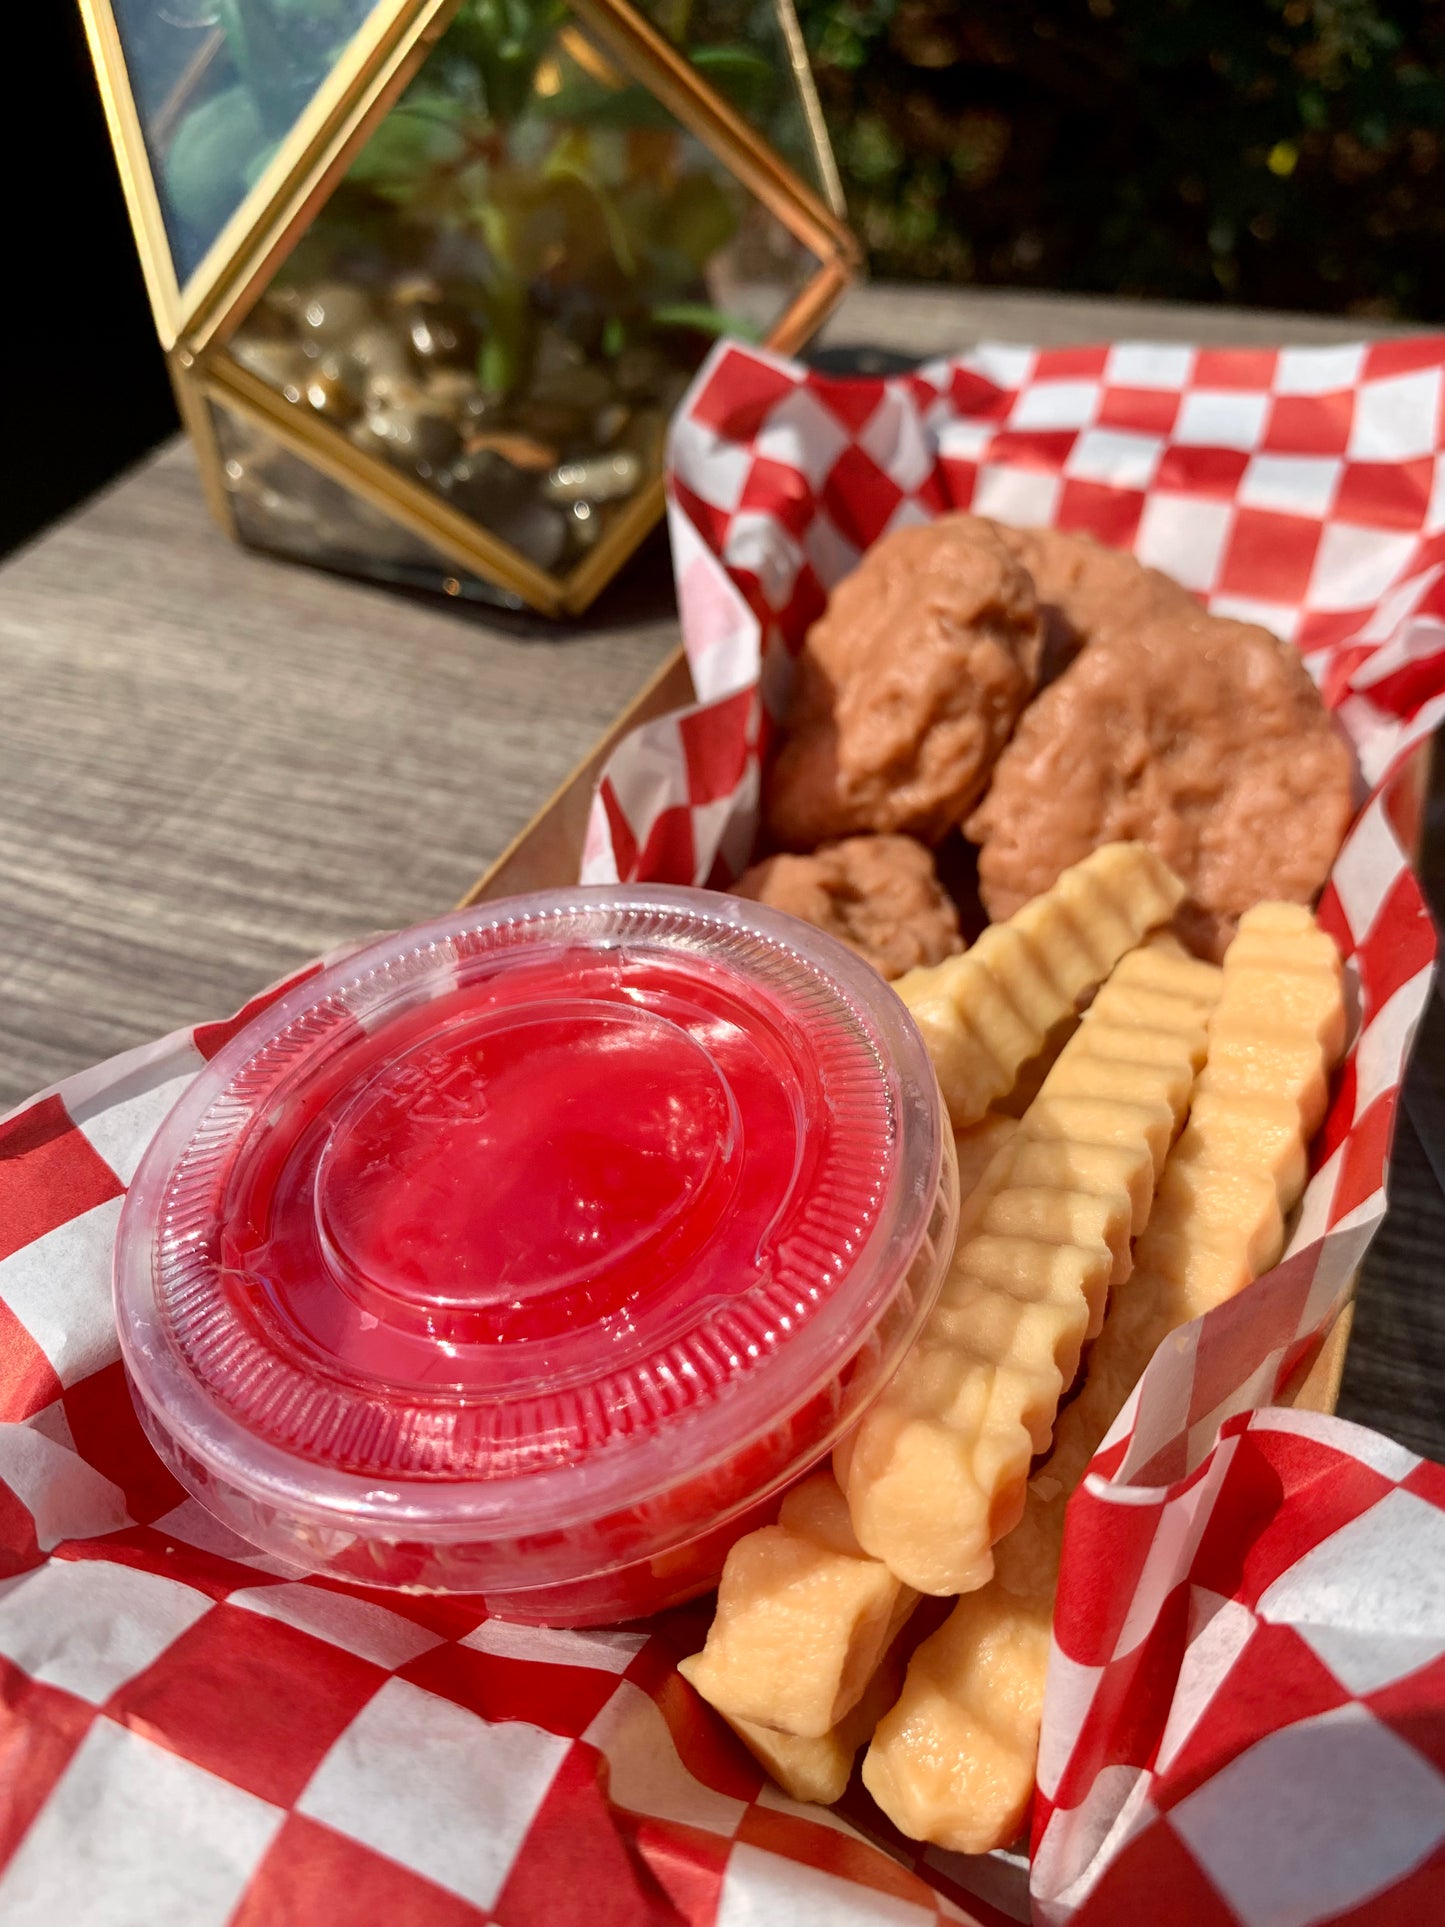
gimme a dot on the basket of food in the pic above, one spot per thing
(601, 1394)
(978, 646)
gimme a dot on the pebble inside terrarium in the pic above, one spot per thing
(279, 502)
(508, 293)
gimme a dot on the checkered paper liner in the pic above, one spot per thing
(1246, 1712)
(1219, 1686)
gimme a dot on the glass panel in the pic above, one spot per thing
(217, 85)
(744, 50)
(513, 285)
(283, 504)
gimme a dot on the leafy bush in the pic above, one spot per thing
(1276, 153)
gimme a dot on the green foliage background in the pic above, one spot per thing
(1273, 153)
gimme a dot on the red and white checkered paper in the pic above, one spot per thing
(1246, 1712)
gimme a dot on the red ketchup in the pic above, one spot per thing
(531, 1253)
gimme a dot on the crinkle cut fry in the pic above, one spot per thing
(818, 1770)
(984, 1014)
(936, 1470)
(953, 1762)
(803, 1619)
(804, 1616)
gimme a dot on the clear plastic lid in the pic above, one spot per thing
(556, 1230)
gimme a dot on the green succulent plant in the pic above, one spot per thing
(519, 140)
(208, 157)
(274, 54)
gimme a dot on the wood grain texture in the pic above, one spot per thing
(214, 765)
(913, 320)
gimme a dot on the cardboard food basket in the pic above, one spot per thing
(1245, 1712)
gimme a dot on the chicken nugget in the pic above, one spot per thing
(1087, 590)
(907, 688)
(1199, 736)
(879, 894)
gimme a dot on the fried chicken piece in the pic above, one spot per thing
(1200, 736)
(1087, 590)
(879, 894)
(907, 687)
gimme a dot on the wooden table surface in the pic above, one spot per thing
(214, 765)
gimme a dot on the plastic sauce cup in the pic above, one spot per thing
(532, 1252)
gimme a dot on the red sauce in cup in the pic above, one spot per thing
(532, 1252)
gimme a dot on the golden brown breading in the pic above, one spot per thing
(1087, 590)
(879, 894)
(907, 688)
(1199, 736)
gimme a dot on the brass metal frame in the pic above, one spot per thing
(196, 418)
(384, 54)
(136, 180)
(197, 320)
(807, 87)
(378, 61)
(676, 83)
(408, 502)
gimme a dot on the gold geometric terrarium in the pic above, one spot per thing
(431, 275)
